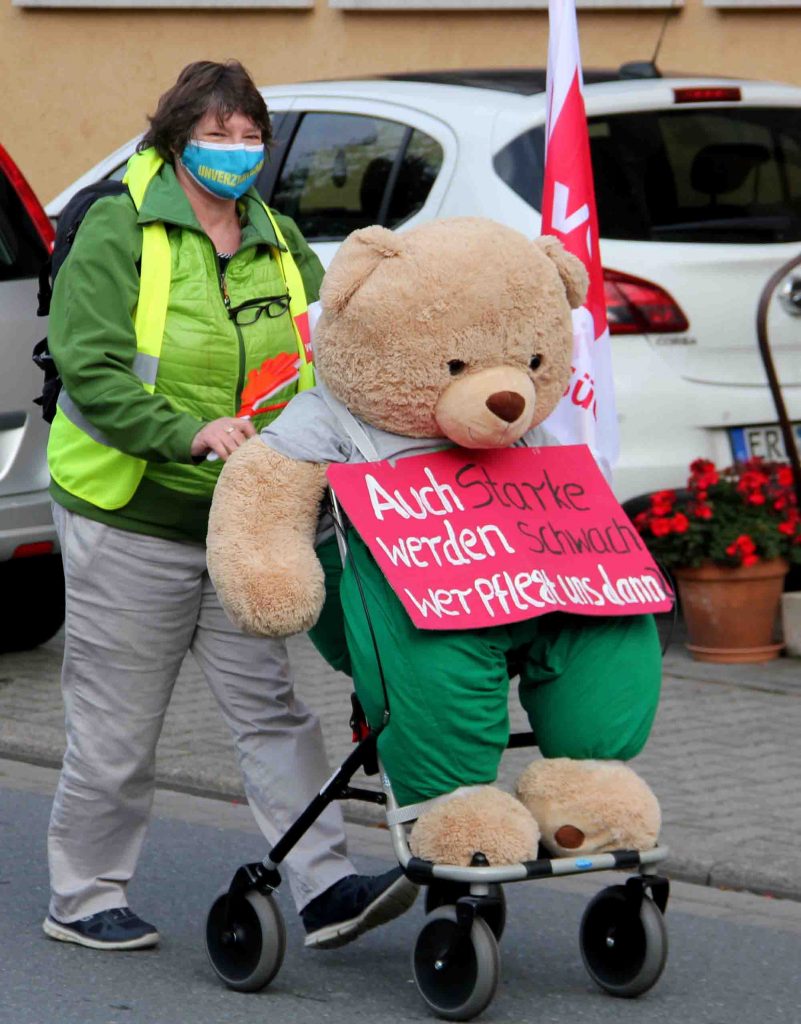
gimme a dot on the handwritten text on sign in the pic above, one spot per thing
(480, 538)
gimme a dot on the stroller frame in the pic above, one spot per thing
(455, 962)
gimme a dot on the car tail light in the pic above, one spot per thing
(28, 199)
(42, 547)
(636, 306)
(707, 94)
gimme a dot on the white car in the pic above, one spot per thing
(698, 185)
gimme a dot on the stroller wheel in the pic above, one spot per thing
(245, 939)
(456, 974)
(623, 945)
(493, 910)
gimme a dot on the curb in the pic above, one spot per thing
(722, 874)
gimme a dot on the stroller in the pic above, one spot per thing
(455, 961)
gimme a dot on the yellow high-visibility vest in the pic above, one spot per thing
(82, 460)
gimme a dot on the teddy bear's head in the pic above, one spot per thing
(459, 328)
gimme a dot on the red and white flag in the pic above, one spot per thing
(586, 414)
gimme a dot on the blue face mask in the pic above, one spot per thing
(227, 171)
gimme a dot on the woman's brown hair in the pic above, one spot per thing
(204, 86)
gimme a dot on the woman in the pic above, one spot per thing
(172, 296)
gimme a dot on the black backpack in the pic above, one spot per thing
(68, 223)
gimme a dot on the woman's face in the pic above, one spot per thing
(221, 159)
(235, 130)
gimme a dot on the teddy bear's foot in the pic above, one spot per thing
(476, 820)
(589, 806)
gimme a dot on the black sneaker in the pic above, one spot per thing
(109, 929)
(355, 904)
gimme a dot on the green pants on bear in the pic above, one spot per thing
(589, 685)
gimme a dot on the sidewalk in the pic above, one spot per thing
(724, 757)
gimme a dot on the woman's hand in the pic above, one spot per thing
(222, 436)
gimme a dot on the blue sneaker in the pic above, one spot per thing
(109, 929)
(355, 904)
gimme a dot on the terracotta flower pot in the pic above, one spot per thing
(731, 613)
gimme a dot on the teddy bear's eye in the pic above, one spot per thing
(455, 366)
(536, 362)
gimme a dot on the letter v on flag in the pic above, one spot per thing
(586, 414)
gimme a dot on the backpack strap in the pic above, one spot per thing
(70, 220)
(45, 293)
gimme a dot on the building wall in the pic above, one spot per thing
(77, 83)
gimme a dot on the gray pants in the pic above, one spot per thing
(135, 606)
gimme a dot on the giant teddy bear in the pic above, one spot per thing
(455, 332)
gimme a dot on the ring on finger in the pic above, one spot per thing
(230, 430)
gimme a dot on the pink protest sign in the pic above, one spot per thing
(482, 538)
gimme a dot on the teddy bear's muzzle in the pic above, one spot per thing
(487, 408)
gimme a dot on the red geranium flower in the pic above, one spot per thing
(703, 474)
(735, 516)
(662, 502)
(744, 545)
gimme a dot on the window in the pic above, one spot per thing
(417, 173)
(21, 250)
(165, 4)
(744, 4)
(502, 5)
(346, 171)
(701, 175)
(521, 165)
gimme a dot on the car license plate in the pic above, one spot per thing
(765, 441)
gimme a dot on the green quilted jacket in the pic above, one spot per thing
(205, 356)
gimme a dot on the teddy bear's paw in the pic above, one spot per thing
(278, 599)
(585, 807)
(477, 820)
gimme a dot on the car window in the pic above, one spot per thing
(276, 120)
(419, 167)
(339, 169)
(21, 250)
(521, 164)
(700, 175)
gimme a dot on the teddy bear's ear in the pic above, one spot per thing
(355, 261)
(571, 269)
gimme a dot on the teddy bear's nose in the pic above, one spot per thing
(506, 405)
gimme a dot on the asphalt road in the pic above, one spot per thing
(734, 957)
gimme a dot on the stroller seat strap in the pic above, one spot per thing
(350, 424)
(411, 812)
